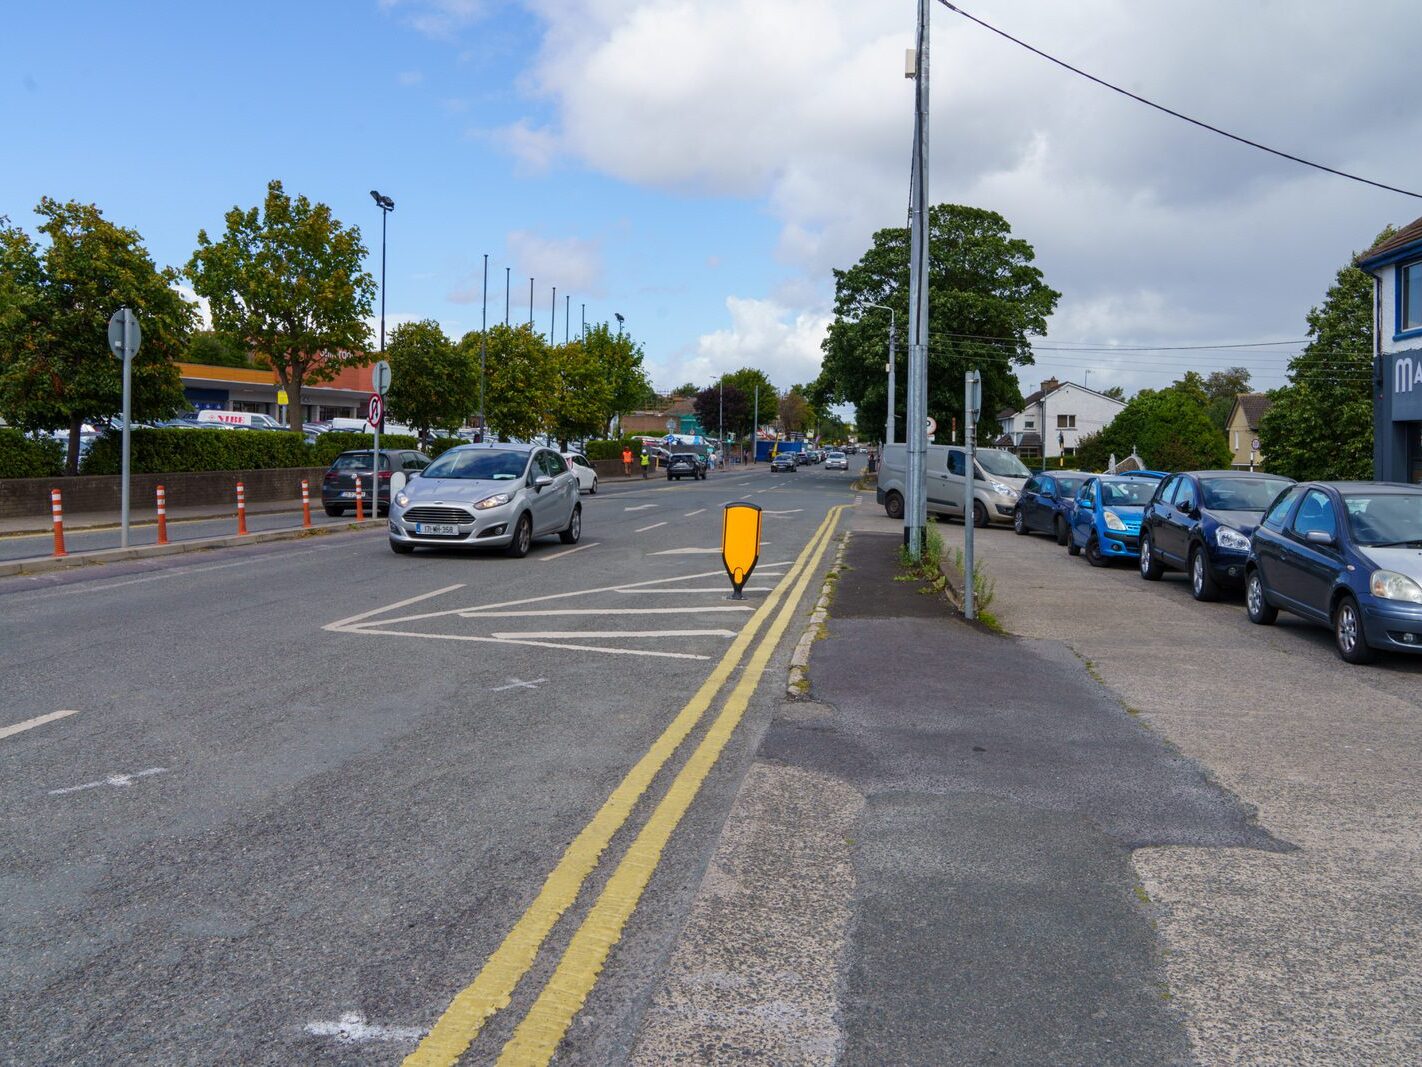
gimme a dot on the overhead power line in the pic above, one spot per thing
(1173, 113)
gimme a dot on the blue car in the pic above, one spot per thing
(1046, 502)
(1344, 554)
(1200, 522)
(1106, 524)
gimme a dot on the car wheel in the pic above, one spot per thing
(1062, 532)
(1151, 570)
(1093, 553)
(593, 490)
(1261, 612)
(894, 505)
(334, 511)
(522, 538)
(1019, 524)
(400, 548)
(980, 515)
(1348, 633)
(1202, 580)
(1073, 549)
(575, 527)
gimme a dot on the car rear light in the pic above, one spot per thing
(331, 476)
(385, 475)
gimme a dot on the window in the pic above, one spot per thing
(1186, 495)
(552, 464)
(1410, 283)
(413, 461)
(1066, 422)
(1029, 424)
(1032, 486)
(1088, 494)
(1167, 490)
(1315, 514)
(956, 463)
(1049, 487)
(1275, 519)
(1236, 440)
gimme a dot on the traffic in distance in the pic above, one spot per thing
(1346, 555)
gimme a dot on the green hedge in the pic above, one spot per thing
(29, 457)
(440, 445)
(612, 449)
(173, 450)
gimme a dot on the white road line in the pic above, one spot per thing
(689, 514)
(792, 511)
(569, 551)
(536, 644)
(548, 634)
(353, 1029)
(693, 551)
(640, 507)
(644, 529)
(515, 683)
(699, 589)
(343, 623)
(38, 720)
(118, 780)
(690, 609)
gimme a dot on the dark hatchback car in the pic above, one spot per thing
(1347, 555)
(1200, 522)
(338, 487)
(1046, 503)
(784, 461)
(685, 465)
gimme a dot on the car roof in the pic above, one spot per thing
(502, 446)
(1236, 474)
(1399, 488)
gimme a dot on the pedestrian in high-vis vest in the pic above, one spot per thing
(646, 464)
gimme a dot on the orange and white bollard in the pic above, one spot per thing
(241, 509)
(360, 502)
(162, 516)
(305, 503)
(56, 508)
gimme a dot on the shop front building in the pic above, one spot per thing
(1396, 267)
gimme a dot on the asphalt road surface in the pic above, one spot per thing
(302, 802)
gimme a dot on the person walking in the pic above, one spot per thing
(627, 460)
(646, 464)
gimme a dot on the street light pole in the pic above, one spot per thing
(483, 345)
(553, 315)
(567, 314)
(508, 276)
(755, 423)
(916, 431)
(530, 302)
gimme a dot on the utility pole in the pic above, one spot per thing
(530, 302)
(916, 434)
(508, 276)
(567, 314)
(755, 424)
(483, 345)
(583, 333)
(720, 416)
(553, 315)
(972, 401)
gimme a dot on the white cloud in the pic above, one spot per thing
(533, 147)
(441, 19)
(782, 342)
(573, 264)
(204, 308)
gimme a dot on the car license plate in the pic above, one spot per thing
(348, 494)
(445, 529)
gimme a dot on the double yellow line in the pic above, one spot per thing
(537, 1036)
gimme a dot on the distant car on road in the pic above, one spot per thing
(784, 461)
(587, 474)
(349, 469)
(1106, 522)
(836, 461)
(496, 496)
(1201, 521)
(1347, 555)
(686, 465)
(1046, 503)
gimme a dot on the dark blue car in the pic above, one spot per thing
(1107, 522)
(1046, 503)
(1347, 555)
(1200, 522)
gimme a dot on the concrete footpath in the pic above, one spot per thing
(931, 860)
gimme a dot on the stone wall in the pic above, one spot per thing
(29, 497)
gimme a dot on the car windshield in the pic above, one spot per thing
(1126, 494)
(1068, 486)
(1385, 518)
(1002, 464)
(687, 456)
(1241, 494)
(479, 465)
(358, 461)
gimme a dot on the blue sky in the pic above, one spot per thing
(702, 166)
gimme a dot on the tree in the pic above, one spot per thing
(1320, 425)
(434, 385)
(581, 393)
(685, 390)
(760, 396)
(985, 300)
(1169, 428)
(725, 406)
(286, 279)
(56, 369)
(516, 395)
(1222, 387)
(1115, 392)
(794, 411)
(619, 359)
(211, 349)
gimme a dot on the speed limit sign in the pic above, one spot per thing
(376, 414)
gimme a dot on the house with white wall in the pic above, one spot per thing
(1052, 420)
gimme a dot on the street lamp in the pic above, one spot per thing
(386, 206)
(618, 316)
(889, 425)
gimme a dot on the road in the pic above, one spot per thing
(298, 802)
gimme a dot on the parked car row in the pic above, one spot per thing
(1347, 555)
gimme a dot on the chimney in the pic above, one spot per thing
(1050, 384)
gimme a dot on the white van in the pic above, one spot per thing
(251, 420)
(997, 482)
(361, 426)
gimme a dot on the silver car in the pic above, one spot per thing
(494, 495)
(835, 461)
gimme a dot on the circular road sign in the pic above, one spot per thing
(376, 414)
(124, 334)
(380, 377)
(932, 426)
(1254, 445)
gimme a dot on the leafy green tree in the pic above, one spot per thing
(581, 393)
(685, 390)
(1320, 425)
(723, 405)
(56, 369)
(519, 381)
(795, 411)
(209, 348)
(1115, 392)
(1169, 428)
(752, 382)
(1221, 388)
(619, 359)
(286, 279)
(985, 300)
(434, 385)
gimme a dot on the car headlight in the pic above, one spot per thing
(1005, 490)
(495, 501)
(1230, 538)
(1113, 521)
(402, 500)
(1389, 585)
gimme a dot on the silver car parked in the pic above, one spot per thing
(494, 495)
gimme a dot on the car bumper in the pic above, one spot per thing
(1228, 567)
(1115, 543)
(493, 528)
(1391, 625)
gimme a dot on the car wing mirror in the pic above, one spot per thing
(1184, 507)
(1320, 537)
(541, 481)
